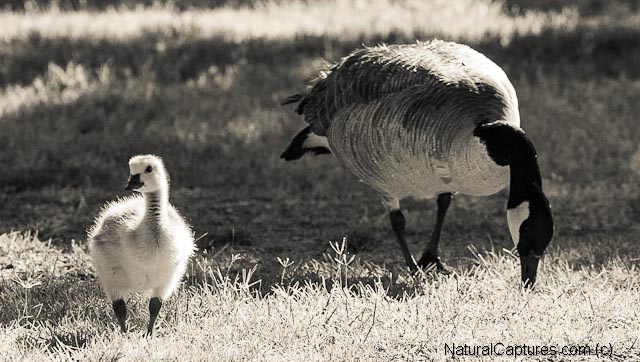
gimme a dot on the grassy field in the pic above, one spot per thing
(201, 87)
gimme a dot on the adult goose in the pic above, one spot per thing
(429, 120)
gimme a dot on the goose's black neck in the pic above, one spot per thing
(525, 183)
(509, 146)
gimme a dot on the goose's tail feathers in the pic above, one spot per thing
(295, 98)
(303, 142)
(300, 98)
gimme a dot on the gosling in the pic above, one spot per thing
(141, 242)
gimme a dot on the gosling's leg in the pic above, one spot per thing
(398, 224)
(155, 304)
(120, 309)
(431, 253)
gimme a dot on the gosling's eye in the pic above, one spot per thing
(148, 169)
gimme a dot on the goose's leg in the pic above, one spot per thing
(431, 253)
(120, 309)
(155, 304)
(398, 224)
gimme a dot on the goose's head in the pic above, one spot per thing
(531, 227)
(147, 174)
(528, 211)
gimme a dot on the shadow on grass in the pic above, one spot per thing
(584, 52)
(77, 143)
(58, 338)
(585, 8)
(230, 181)
(271, 275)
(590, 7)
(51, 300)
(270, 272)
(101, 5)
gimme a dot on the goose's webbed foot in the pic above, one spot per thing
(429, 260)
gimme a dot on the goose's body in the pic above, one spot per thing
(422, 120)
(447, 157)
(133, 255)
(410, 131)
(141, 243)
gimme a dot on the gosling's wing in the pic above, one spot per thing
(183, 234)
(116, 217)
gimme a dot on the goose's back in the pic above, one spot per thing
(402, 117)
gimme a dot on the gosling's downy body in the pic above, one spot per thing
(141, 242)
(428, 120)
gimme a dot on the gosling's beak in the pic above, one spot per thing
(529, 266)
(134, 182)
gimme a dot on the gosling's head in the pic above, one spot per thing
(147, 174)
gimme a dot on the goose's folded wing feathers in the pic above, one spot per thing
(436, 71)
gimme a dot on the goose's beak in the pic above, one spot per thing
(529, 266)
(134, 182)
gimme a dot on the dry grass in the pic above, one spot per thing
(226, 317)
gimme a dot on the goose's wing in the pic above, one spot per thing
(436, 74)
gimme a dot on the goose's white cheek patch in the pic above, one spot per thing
(515, 218)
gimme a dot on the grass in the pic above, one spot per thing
(225, 316)
(200, 87)
(287, 19)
